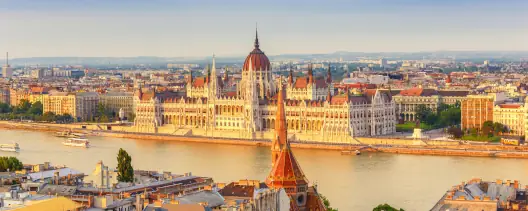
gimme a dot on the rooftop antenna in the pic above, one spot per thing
(7, 59)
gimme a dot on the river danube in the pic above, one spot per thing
(350, 182)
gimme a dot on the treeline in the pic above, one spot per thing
(446, 115)
(26, 110)
(10, 164)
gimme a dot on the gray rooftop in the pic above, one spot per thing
(212, 198)
(49, 173)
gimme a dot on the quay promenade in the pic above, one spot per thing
(384, 145)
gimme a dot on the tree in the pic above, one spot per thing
(386, 207)
(125, 172)
(36, 108)
(49, 117)
(103, 113)
(10, 163)
(450, 116)
(22, 107)
(455, 132)
(443, 107)
(65, 118)
(499, 128)
(473, 132)
(423, 113)
(131, 116)
(326, 203)
(5, 108)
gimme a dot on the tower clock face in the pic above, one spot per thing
(300, 199)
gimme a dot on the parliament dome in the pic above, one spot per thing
(259, 60)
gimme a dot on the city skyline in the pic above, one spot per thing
(196, 29)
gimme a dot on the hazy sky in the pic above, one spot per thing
(37, 28)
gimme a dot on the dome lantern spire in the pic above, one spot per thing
(256, 38)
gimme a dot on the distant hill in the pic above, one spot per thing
(162, 61)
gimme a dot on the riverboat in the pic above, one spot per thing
(10, 147)
(77, 142)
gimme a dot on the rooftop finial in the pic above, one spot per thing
(256, 36)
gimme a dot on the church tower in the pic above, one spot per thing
(286, 172)
(280, 127)
(213, 82)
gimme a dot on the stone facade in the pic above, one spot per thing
(4, 95)
(115, 101)
(408, 100)
(81, 105)
(512, 116)
(476, 110)
(250, 111)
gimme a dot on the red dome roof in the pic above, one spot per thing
(259, 60)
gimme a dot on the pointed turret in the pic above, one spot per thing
(208, 76)
(140, 92)
(281, 131)
(310, 74)
(256, 39)
(329, 96)
(290, 76)
(286, 171)
(226, 76)
(329, 75)
(347, 95)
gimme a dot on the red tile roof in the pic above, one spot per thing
(259, 60)
(199, 82)
(416, 91)
(301, 82)
(231, 94)
(286, 171)
(510, 105)
(39, 90)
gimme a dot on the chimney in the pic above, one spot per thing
(57, 178)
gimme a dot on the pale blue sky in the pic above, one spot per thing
(38, 28)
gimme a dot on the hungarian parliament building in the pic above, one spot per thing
(314, 111)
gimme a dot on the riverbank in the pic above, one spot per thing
(385, 145)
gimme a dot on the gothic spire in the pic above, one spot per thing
(329, 96)
(290, 76)
(286, 171)
(208, 76)
(329, 75)
(226, 75)
(310, 74)
(256, 39)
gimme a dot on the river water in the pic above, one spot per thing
(412, 182)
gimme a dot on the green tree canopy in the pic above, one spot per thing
(456, 132)
(327, 203)
(36, 108)
(22, 107)
(10, 163)
(5, 108)
(125, 171)
(386, 207)
(425, 114)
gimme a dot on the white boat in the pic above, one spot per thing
(10, 147)
(69, 134)
(77, 142)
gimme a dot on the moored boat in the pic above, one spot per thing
(69, 134)
(10, 147)
(77, 142)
